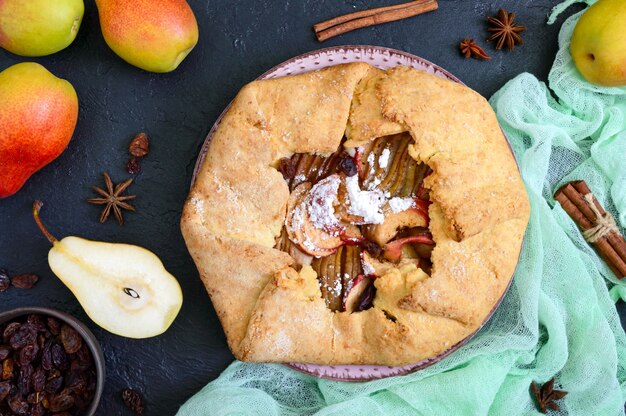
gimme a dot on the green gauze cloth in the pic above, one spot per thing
(558, 317)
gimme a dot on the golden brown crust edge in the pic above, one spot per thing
(479, 213)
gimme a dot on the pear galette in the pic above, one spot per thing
(355, 216)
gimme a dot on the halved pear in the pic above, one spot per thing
(123, 288)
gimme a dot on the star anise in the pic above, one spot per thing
(505, 30)
(546, 396)
(469, 48)
(113, 199)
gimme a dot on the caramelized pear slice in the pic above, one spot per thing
(328, 269)
(393, 249)
(301, 229)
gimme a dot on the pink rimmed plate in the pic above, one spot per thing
(383, 58)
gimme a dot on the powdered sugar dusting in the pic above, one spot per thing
(383, 160)
(366, 204)
(398, 204)
(320, 204)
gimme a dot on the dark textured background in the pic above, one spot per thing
(238, 41)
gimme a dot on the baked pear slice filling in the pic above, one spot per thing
(356, 204)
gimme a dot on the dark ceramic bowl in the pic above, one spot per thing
(85, 333)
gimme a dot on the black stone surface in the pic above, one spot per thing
(238, 41)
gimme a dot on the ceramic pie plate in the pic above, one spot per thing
(383, 58)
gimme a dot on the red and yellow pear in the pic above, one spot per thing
(38, 114)
(155, 35)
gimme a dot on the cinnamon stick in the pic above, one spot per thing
(365, 18)
(612, 247)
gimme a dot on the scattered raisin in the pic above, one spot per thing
(10, 330)
(28, 354)
(366, 300)
(372, 248)
(54, 385)
(347, 165)
(5, 281)
(139, 146)
(24, 281)
(133, 166)
(133, 400)
(70, 339)
(287, 168)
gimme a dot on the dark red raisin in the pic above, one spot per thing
(133, 400)
(133, 166)
(24, 281)
(24, 379)
(5, 281)
(27, 354)
(54, 325)
(366, 300)
(59, 357)
(18, 405)
(24, 336)
(372, 248)
(61, 402)
(39, 380)
(10, 330)
(347, 165)
(53, 385)
(70, 339)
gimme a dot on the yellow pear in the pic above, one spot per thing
(39, 27)
(599, 43)
(123, 288)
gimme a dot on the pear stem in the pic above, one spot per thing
(36, 207)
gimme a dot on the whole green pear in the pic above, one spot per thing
(599, 43)
(39, 27)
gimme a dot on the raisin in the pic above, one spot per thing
(27, 354)
(38, 410)
(133, 400)
(10, 330)
(366, 300)
(61, 402)
(4, 352)
(5, 389)
(24, 380)
(24, 336)
(37, 323)
(347, 165)
(59, 357)
(54, 326)
(46, 357)
(70, 339)
(7, 369)
(18, 405)
(39, 380)
(5, 281)
(139, 146)
(372, 248)
(133, 166)
(24, 281)
(54, 385)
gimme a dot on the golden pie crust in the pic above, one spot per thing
(271, 312)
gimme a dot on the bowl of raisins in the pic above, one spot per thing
(51, 364)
